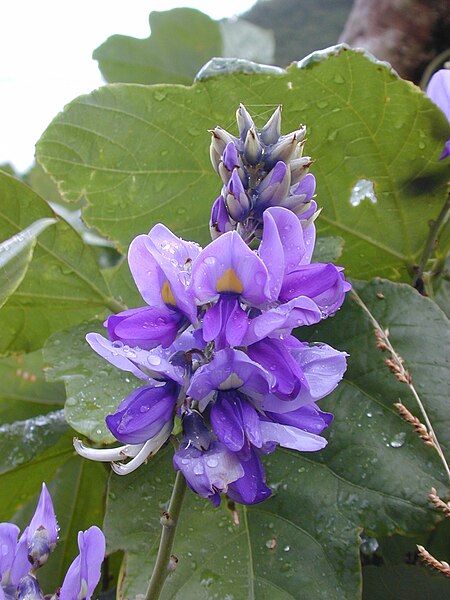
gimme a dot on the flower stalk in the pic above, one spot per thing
(165, 562)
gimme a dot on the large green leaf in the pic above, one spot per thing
(140, 154)
(94, 387)
(15, 256)
(181, 41)
(24, 392)
(63, 284)
(375, 474)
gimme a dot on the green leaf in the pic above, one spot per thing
(63, 284)
(375, 474)
(15, 256)
(140, 154)
(328, 249)
(21, 483)
(23, 441)
(94, 387)
(403, 582)
(24, 392)
(182, 40)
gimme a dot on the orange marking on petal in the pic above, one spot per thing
(229, 282)
(167, 295)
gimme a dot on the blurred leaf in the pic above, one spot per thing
(22, 482)
(403, 582)
(23, 441)
(181, 41)
(15, 256)
(242, 39)
(140, 154)
(442, 291)
(24, 392)
(328, 249)
(63, 284)
(94, 387)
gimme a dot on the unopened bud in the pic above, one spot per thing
(195, 431)
(299, 168)
(236, 200)
(272, 129)
(219, 139)
(244, 121)
(43, 530)
(28, 589)
(221, 221)
(230, 156)
(274, 187)
(286, 148)
(252, 147)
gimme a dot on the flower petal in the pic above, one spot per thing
(144, 413)
(291, 437)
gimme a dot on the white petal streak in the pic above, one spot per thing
(106, 454)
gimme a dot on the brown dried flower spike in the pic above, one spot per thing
(432, 562)
(414, 421)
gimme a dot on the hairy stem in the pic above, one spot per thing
(165, 564)
(406, 378)
(430, 244)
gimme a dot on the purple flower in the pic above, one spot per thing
(321, 367)
(144, 419)
(14, 563)
(145, 327)
(208, 473)
(145, 413)
(230, 370)
(227, 273)
(251, 488)
(84, 573)
(160, 264)
(438, 90)
(301, 293)
(42, 532)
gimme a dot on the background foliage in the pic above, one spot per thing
(130, 155)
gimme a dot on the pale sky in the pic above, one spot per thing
(46, 57)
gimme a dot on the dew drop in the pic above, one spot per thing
(398, 440)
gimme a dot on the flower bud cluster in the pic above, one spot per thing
(259, 169)
(213, 345)
(21, 557)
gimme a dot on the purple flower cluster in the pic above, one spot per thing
(21, 557)
(213, 346)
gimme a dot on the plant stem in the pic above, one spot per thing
(430, 244)
(169, 523)
(114, 305)
(399, 365)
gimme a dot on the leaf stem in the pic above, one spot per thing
(430, 244)
(169, 521)
(406, 377)
(114, 305)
